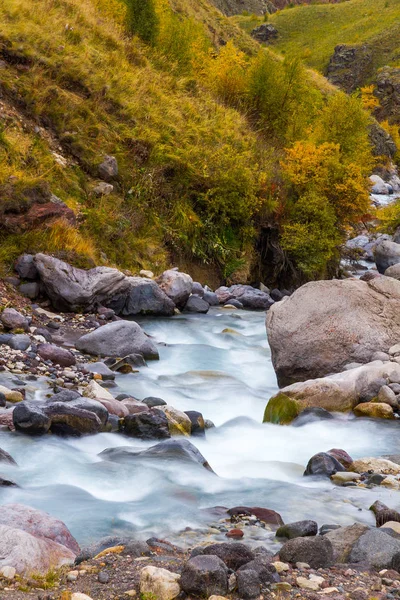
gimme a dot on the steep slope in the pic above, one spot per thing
(193, 130)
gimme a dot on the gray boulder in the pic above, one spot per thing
(343, 540)
(393, 271)
(30, 290)
(119, 339)
(74, 290)
(323, 464)
(233, 554)
(325, 325)
(20, 341)
(386, 254)
(315, 551)
(376, 548)
(195, 304)
(251, 298)
(177, 286)
(211, 298)
(198, 289)
(204, 576)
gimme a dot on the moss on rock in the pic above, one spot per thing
(281, 409)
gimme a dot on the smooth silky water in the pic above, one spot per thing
(220, 365)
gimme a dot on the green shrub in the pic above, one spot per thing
(142, 19)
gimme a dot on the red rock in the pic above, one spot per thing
(235, 533)
(37, 215)
(342, 456)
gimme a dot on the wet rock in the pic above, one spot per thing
(249, 297)
(343, 540)
(234, 554)
(11, 395)
(181, 450)
(197, 423)
(204, 576)
(315, 551)
(267, 515)
(134, 548)
(342, 456)
(345, 477)
(178, 422)
(141, 296)
(374, 410)
(101, 369)
(67, 418)
(12, 319)
(235, 303)
(310, 415)
(297, 529)
(5, 457)
(30, 418)
(195, 304)
(159, 583)
(118, 339)
(57, 355)
(25, 267)
(375, 548)
(64, 396)
(124, 365)
(363, 317)
(235, 534)
(323, 464)
(148, 425)
(152, 401)
(108, 169)
(177, 286)
(134, 406)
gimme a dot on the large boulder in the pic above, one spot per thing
(68, 418)
(29, 417)
(343, 540)
(323, 465)
(147, 425)
(178, 286)
(38, 523)
(386, 254)
(325, 325)
(118, 339)
(73, 290)
(30, 555)
(205, 576)
(315, 551)
(248, 296)
(340, 392)
(12, 319)
(376, 548)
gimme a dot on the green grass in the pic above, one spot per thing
(311, 32)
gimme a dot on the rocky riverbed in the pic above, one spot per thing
(143, 439)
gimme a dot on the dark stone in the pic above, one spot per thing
(108, 169)
(326, 528)
(5, 338)
(276, 295)
(102, 369)
(30, 418)
(233, 554)
(375, 479)
(7, 482)
(57, 355)
(134, 548)
(6, 457)
(176, 449)
(248, 584)
(147, 425)
(297, 529)
(310, 415)
(266, 515)
(204, 576)
(26, 268)
(3, 400)
(67, 418)
(315, 551)
(211, 298)
(197, 421)
(64, 396)
(264, 33)
(12, 319)
(44, 332)
(195, 304)
(198, 289)
(350, 66)
(324, 465)
(375, 548)
(235, 303)
(152, 402)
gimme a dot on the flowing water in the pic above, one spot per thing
(218, 364)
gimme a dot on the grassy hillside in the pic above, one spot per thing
(201, 131)
(312, 32)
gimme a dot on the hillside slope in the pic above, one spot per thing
(197, 123)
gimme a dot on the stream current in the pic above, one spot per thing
(218, 364)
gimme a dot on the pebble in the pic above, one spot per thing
(281, 566)
(72, 575)
(8, 572)
(103, 577)
(307, 584)
(302, 565)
